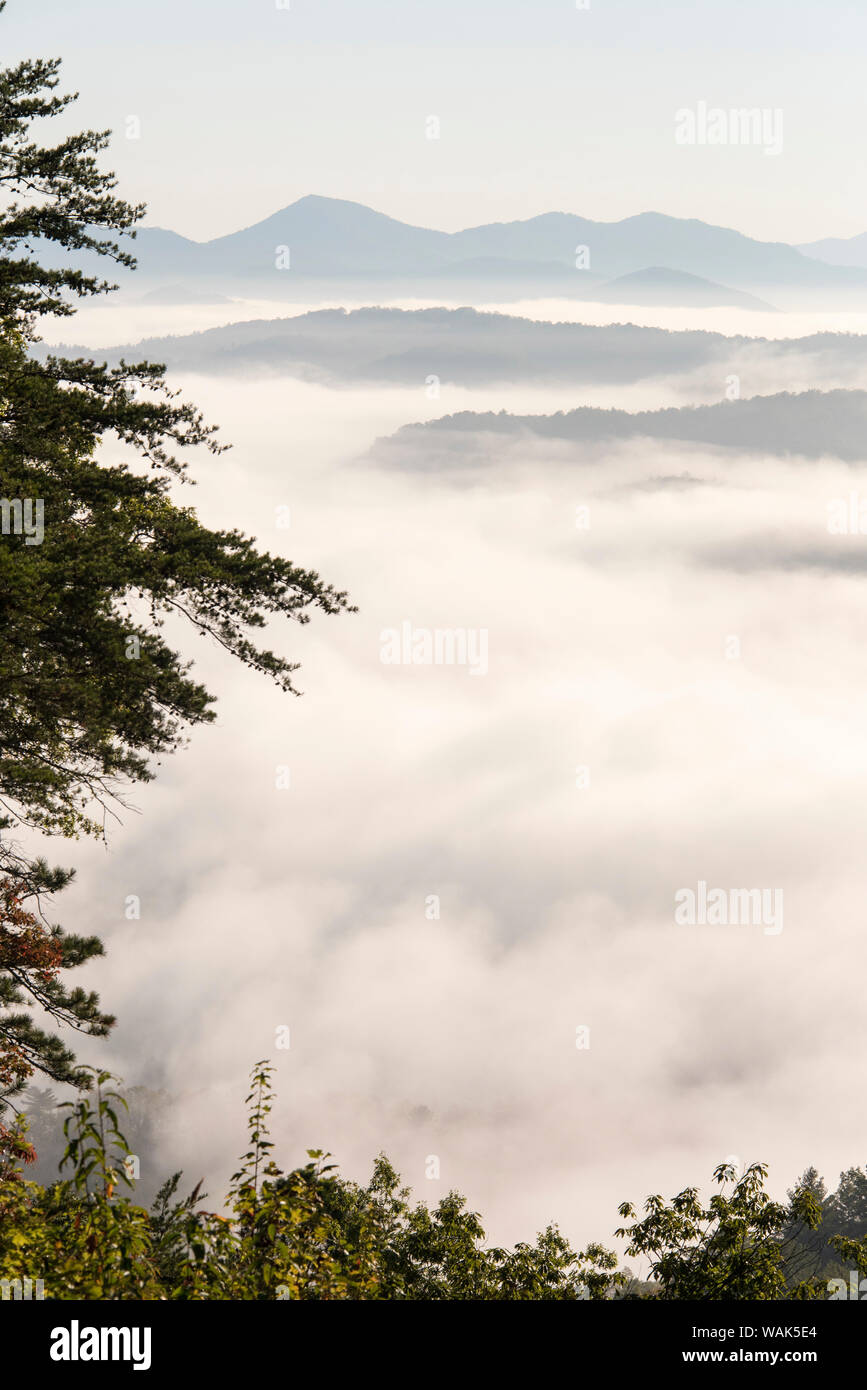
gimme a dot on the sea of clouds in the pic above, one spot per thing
(675, 693)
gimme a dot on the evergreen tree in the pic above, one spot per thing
(93, 558)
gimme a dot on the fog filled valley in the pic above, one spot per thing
(437, 873)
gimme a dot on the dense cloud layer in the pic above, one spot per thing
(673, 695)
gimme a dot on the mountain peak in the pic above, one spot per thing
(339, 238)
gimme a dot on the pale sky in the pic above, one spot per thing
(244, 106)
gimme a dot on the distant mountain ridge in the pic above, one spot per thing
(845, 251)
(318, 237)
(471, 347)
(658, 285)
(809, 424)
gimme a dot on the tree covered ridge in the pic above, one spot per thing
(311, 1234)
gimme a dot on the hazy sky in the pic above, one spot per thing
(245, 106)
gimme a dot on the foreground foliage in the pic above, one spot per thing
(311, 1234)
(306, 1234)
